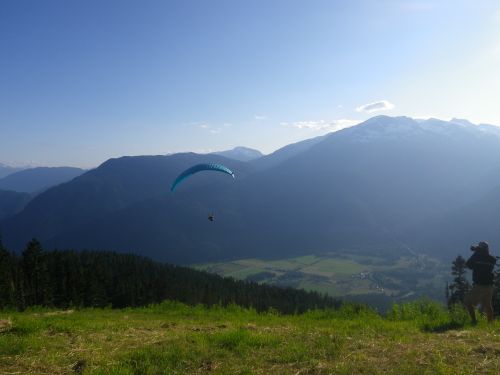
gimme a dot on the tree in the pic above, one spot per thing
(7, 278)
(100, 278)
(35, 275)
(460, 286)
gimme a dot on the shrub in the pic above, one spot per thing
(429, 315)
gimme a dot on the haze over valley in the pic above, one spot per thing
(407, 193)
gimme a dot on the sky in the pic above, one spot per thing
(86, 80)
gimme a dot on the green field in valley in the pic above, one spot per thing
(390, 278)
(171, 338)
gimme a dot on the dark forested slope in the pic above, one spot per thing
(92, 278)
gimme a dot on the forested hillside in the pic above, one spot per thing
(97, 279)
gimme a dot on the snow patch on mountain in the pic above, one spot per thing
(392, 128)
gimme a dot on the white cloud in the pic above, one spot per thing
(202, 151)
(382, 105)
(322, 124)
(212, 129)
(194, 124)
(314, 125)
(196, 151)
(427, 117)
(260, 117)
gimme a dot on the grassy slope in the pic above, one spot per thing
(175, 339)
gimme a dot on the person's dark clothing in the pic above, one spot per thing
(482, 268)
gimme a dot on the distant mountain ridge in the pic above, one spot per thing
(286, 152)
(12, 202)
(33, 180)
(5, 170)
(241, 153)
(387, 183)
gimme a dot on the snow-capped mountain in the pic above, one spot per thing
(387, 183)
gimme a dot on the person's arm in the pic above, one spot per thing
(471, 261)
(493, 260)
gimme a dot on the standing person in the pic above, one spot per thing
(482, 264)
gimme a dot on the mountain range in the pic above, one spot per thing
(12, 202)
(33, 180)
(241, 153)
(423, 186)
(5, 170)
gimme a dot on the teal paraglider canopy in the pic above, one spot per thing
(198, 168)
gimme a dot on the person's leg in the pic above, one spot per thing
(470, 302)
(488, 308)
(472, 312)
(487, 305)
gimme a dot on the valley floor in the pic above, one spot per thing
(369, 275)
(172, 338)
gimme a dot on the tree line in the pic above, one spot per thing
(460, 285)
(71, 278)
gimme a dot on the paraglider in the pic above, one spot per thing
(198, 168)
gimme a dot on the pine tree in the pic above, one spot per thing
(7, 278)
(91, 278)
(35, 273)
(460, 286)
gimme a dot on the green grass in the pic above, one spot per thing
(172, 338)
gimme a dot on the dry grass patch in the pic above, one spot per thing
(5, 325)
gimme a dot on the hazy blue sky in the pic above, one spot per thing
(83, 81)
